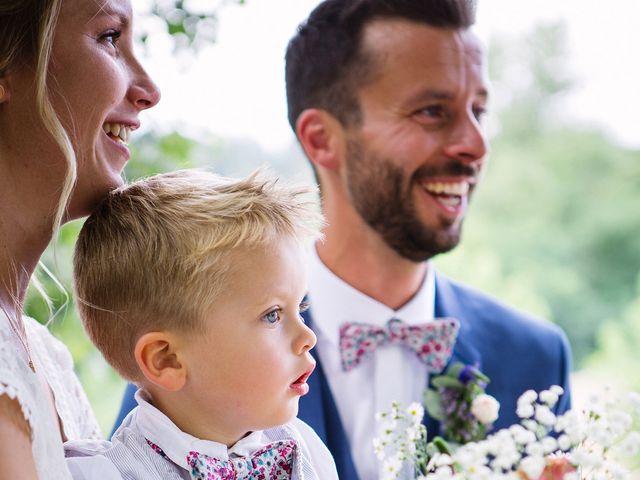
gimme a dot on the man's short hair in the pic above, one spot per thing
(156, 254)
(325, 62)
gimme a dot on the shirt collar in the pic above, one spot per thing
(176, 444)
(334, 301)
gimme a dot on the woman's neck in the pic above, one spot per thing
(23, 238)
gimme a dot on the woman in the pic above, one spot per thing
(71, 90)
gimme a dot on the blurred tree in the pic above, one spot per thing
(189, 23)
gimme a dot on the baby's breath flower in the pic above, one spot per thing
(630, 445)
(533, 466)
(549, 397)
(557, 389)
(525, 410)
(528, 397)
(545, 416)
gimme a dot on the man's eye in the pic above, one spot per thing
(433, 111)
(272, 317)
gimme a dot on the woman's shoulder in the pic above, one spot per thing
(20, 384)
(55, 361)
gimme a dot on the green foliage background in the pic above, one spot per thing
(553, 228)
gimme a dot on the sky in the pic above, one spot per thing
(235, 87)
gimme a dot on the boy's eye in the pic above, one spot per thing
(272, 317)
(479, 112)
(304, 306)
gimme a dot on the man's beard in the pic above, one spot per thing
(375, 186)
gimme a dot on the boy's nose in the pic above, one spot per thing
(306, 339)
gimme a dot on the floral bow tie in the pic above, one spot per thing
(432, 342)
(273, 462)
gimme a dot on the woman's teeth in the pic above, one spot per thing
(117, 132)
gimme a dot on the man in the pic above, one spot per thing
(387, 99)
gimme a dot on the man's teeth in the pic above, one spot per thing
(459, 189)
(117, 132)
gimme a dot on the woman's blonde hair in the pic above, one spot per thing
(156, 254)
(27, 29)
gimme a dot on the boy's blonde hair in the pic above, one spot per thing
(155, 254)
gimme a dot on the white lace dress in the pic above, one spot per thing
(53, 360)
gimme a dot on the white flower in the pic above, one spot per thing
(485, 408)
(634, 398)
(631, 444)
(521, 435)
(545, 416)
(527, 397)
(557, 389)
(415, 412)
(525, 410)
(549, 397)
(391, 467)
(564, 442)
(549, 445)
(533, 466)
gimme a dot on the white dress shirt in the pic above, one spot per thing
(128, 454)
(391, 373)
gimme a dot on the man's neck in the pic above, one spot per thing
(373, 269)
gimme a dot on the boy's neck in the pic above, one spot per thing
(187, 417)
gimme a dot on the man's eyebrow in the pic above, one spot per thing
(442, 95)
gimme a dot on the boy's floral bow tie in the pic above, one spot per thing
(432, 342)
(273, 461)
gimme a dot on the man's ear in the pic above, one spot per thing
(322, 138)
(159, 361)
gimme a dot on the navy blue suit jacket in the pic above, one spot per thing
(518, 352)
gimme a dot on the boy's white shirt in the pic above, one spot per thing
(128, 450)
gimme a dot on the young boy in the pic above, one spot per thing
(191, 285)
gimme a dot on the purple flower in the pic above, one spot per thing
(468, 373)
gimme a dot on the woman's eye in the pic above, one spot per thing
(272, 317)
(111, 37)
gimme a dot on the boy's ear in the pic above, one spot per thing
(322, 138)
(158, 359)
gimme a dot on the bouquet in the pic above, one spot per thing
(578, 445)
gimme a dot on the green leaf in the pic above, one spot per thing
(447, 382)
(433, 405)
(455, 369)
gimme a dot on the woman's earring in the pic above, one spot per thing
(2, 92)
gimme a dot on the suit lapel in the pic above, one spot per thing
(318, 409)
(446, 305)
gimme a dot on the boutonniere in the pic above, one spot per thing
(458, 400)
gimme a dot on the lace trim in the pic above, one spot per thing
(15, 393)
(72, 404)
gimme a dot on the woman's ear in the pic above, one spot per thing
(159, 361)
(321, 137)
(4, 90)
